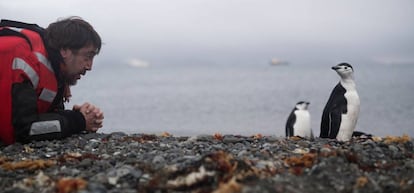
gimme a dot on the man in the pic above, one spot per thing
(37, 66)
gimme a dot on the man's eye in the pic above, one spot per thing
(90, 56)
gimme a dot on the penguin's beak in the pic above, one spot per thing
(335, 67)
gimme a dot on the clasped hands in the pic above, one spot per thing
(93, 116)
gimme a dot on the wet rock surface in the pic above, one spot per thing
(119, 162)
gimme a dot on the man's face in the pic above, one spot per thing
(76, 63)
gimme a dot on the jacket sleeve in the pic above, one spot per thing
(30, 125)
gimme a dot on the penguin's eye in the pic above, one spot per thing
(346, 68)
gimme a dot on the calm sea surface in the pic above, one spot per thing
(241, 99)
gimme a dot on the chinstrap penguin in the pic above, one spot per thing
(299, 121)
(341, 112)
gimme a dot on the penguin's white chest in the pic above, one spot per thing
(349, 119)
(302, 126)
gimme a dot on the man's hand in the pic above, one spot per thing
(93, 116)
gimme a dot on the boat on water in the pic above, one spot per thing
(278, 62)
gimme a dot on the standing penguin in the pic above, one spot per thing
(299, 121)
(340, 114)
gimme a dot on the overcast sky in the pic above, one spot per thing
(245, 31)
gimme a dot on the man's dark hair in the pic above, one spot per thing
(72, 33)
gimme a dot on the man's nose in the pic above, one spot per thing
(88, 65)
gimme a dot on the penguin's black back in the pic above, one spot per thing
(334, 108)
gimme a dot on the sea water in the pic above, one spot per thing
(241, 99)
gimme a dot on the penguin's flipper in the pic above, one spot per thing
(289, 131)
(325, 125)
(327, 117)
(334, 100)
(289, 124)
(334, 123)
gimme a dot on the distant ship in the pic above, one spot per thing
(137, 63)
(278, 62)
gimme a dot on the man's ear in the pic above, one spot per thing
(65, 52)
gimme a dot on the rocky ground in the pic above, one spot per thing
(117, 162)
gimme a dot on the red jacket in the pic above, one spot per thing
(27, 75)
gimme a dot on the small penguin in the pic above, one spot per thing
(299, 121)
(341, 112)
